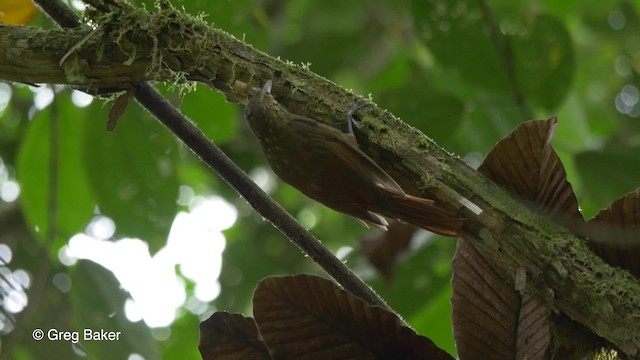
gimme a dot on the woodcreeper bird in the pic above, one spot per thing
(326, 165)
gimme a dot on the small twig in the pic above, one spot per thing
(506, 55)
(79, 44)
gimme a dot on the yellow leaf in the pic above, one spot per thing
(16, 12)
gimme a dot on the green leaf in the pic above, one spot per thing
(539, 48)
(433, 320)
(133, 174)
(437, 114)
(418, 278)
(244, 19)
(454, 30)
(564, 9)
(408, 93)
(544, 60)
(609, 173)
(183, 342)
(99, 305)
(215, 117)
(489, 120)
(74, 205)
(336, 33)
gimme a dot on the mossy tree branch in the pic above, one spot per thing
(135, 46)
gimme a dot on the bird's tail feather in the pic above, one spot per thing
(424, 213)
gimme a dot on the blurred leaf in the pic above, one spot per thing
(454, 30)
(99, 305)
(231, 336)
(424, 273)
(440, 115)
(383, 247)
(244, 19)
(563, 9)
(409, 94)
(133, 174)
(394, 76)
(259, 244)
(459, 36)
(544, 61)
(17, 12)
(338, 34)
(49, 308)
(573, 131)
(215, 117)
(307, 316)
(75, 202)
(608, 173)
(183, 342)
(433, 320)
(614, 234)
(490, 118)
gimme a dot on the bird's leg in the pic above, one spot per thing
(350, 118)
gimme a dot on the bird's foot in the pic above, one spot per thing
(352, 122)
(267, 87)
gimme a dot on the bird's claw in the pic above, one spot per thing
(350, 118)
(267, 87)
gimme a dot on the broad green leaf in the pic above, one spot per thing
(609, 173)
(405, 90)
(330, 38)
(433, 320)
(265, 249)
(491, 118)
(215, 117)
(537, 50)
(454, 30)
(183, 342)
(133, 174)
(544, 60)
(245, 19)
(573, 129)
(435, 113)
(418, 277)
(39, 168)
(565, 9)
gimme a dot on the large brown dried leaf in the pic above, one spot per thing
(307, 317)
(382, 248)
(226, 336)
(614, 233)
(490, 317)
(525, 163)
(533, 338)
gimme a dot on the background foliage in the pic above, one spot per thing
(435, 64)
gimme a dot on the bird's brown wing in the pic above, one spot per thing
(338, 144)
